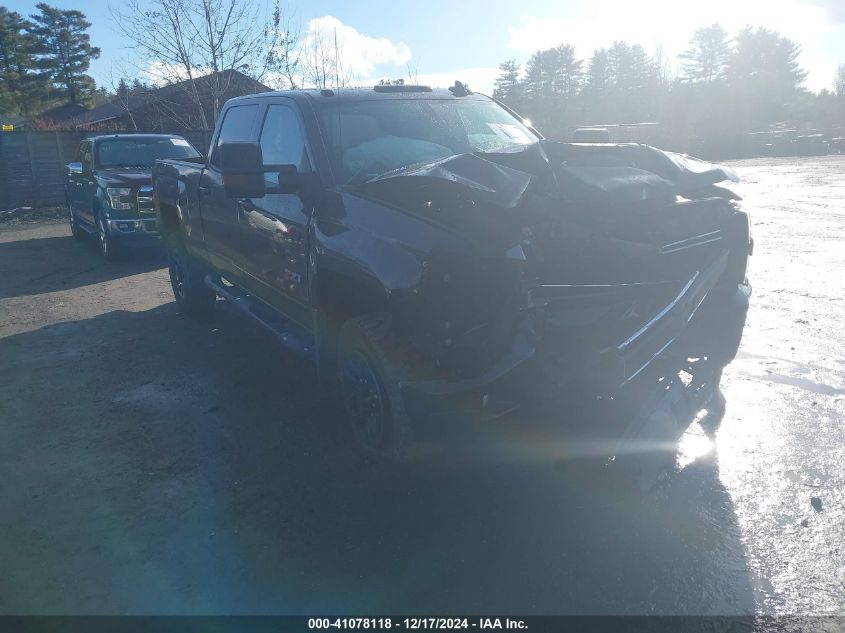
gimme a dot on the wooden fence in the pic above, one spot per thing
(32, 164)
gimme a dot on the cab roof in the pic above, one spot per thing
(371, 93)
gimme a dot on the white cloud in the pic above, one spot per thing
(666, 21)
(834, 8)
(362, 55)
(159, 73)
(671, 24)
(359, 54)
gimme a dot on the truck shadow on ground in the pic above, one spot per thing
(25, 272)
(171, 466)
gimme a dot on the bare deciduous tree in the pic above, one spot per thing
(322, 55)
(284, 56)
(182, 40)
(413, 73)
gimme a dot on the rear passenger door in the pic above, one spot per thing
(219, 213)
(274, 229)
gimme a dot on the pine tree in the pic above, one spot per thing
(597, 73)
(567, 71)
(539, 72)
(594, 88)
(508, 87)
(20, 84)
(619, 67)
(642, 69)
(763, 73)
(632, 82)
(706, 58)
(64, 50)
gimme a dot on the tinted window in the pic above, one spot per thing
(237, 126)
(86, 156)
(282, 139)
(142, 152)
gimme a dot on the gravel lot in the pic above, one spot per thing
(151, 464)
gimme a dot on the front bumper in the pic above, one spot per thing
(699, 333)
(134, 228)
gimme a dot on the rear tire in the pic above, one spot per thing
(371, 368)
(193, 297)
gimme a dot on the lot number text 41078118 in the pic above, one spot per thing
(414, 624)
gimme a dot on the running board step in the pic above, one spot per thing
(268, 318)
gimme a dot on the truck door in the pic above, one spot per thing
(274, 229)
(74, 185)
(219, 213)
(87, 187)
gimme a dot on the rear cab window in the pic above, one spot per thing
(238, 125)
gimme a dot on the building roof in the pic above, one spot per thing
(62, 113)
(115, 109)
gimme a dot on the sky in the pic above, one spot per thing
(445, 40)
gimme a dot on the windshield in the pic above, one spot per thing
(368, 138)
(142, 152)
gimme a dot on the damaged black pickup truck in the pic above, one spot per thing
(434, 254)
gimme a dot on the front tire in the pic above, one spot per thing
(716, 408)
(370, 372)
(193, 297)
(75, 229)
(107, 244)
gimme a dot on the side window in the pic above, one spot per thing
(283, 139)
(86, 157)
(237, 126)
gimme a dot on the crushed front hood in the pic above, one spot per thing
(630, 172)
(600, 174)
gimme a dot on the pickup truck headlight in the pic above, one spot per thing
(117, 197)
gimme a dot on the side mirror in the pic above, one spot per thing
(293, 181)
(242, 168)
(74, 169)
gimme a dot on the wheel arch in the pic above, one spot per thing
(338, 297)
(168, 219)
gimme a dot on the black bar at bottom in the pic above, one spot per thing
(535, 624)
